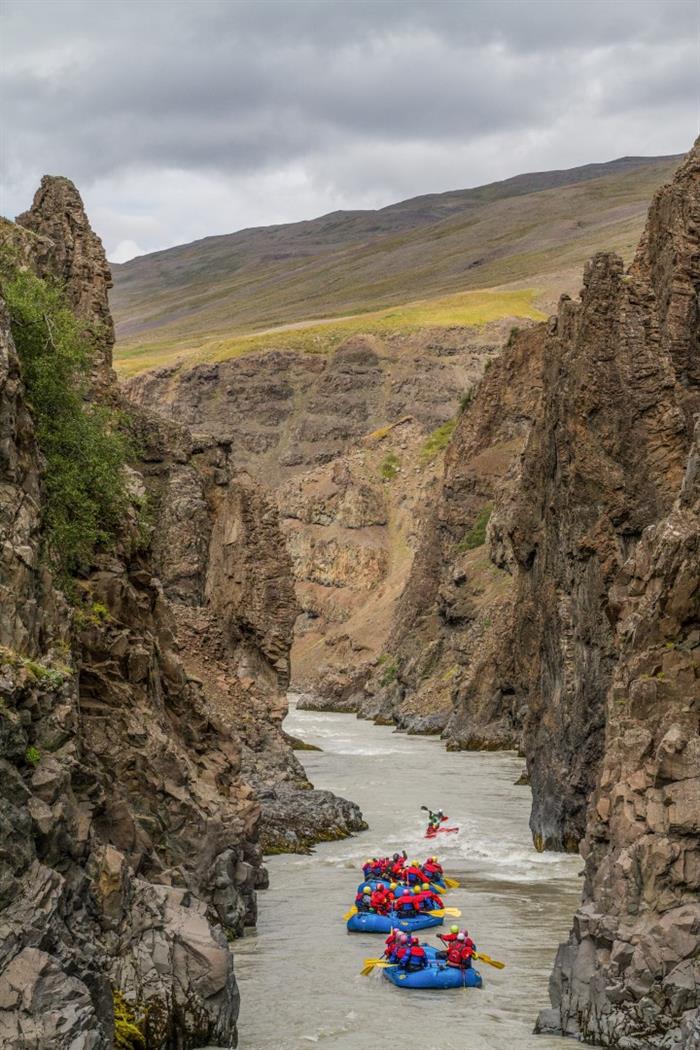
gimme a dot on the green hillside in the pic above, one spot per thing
(207, 299)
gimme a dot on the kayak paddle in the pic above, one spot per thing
(487, 959)
(349, 914)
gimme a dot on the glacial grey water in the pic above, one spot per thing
(299, 971)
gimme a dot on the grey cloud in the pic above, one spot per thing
(233, 90)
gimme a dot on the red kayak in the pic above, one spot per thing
(432, 832)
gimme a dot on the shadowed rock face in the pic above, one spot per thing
(133, 732)
(629, 975)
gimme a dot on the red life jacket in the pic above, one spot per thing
(454, 954)
(448, 938)
(379, 900)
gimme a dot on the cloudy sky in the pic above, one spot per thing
(181, 118)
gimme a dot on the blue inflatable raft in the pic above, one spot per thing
(434, 976)
(370, 922)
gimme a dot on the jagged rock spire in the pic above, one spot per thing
(77, 257)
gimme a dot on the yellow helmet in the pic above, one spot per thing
(366, 889)
(416, 889)
(393, 885)
(425, 886)
(434, 859)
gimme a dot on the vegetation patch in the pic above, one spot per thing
(390, 467)
(128, 1027)
(476, 537)
(323, 335)
(438, 441)
(85, 495)
(389, 674)
(33, 755)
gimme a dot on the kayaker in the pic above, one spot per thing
(435, 819)
(415, 958)
(363, 899)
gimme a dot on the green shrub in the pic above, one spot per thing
(85, 497)
(437, 441)
(33, 755)
(390, 467)
(476, 537)
(466, 400)
(389, 674)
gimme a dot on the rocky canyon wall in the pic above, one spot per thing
(571, 627)
(143, 759)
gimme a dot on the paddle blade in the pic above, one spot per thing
(454, 912)
(489, 961)
(349, 914)
(452, 884)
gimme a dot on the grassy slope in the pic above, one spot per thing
(205, 300)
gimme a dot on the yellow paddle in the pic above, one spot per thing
(370, 965)
(349, 914)
(455, 912)
(452, 884)
(487, 959)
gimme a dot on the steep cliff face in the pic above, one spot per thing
(605, 463)
(587, 655)
(630, 972)
(445, 666)
(130, 822)
(631, 637)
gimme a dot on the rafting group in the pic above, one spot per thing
(398, 897)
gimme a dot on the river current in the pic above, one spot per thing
(299, 971)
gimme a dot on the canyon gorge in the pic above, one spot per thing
(486, 530)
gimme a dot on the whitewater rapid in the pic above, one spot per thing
(299, 971)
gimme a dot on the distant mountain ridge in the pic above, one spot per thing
(349, 262)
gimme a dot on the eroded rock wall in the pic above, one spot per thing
(130, 826)
(629, 974)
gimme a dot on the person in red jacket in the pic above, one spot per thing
(449, 938)
(429, 899)
(432, 868)
(397, 866)
(414, 874)
(405, 905)
(401, 949)
(380, 900)
(460, 952)
(392, 941)
(415, 958)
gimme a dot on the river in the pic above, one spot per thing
(299, 971)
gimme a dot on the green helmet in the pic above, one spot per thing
(454, 929)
